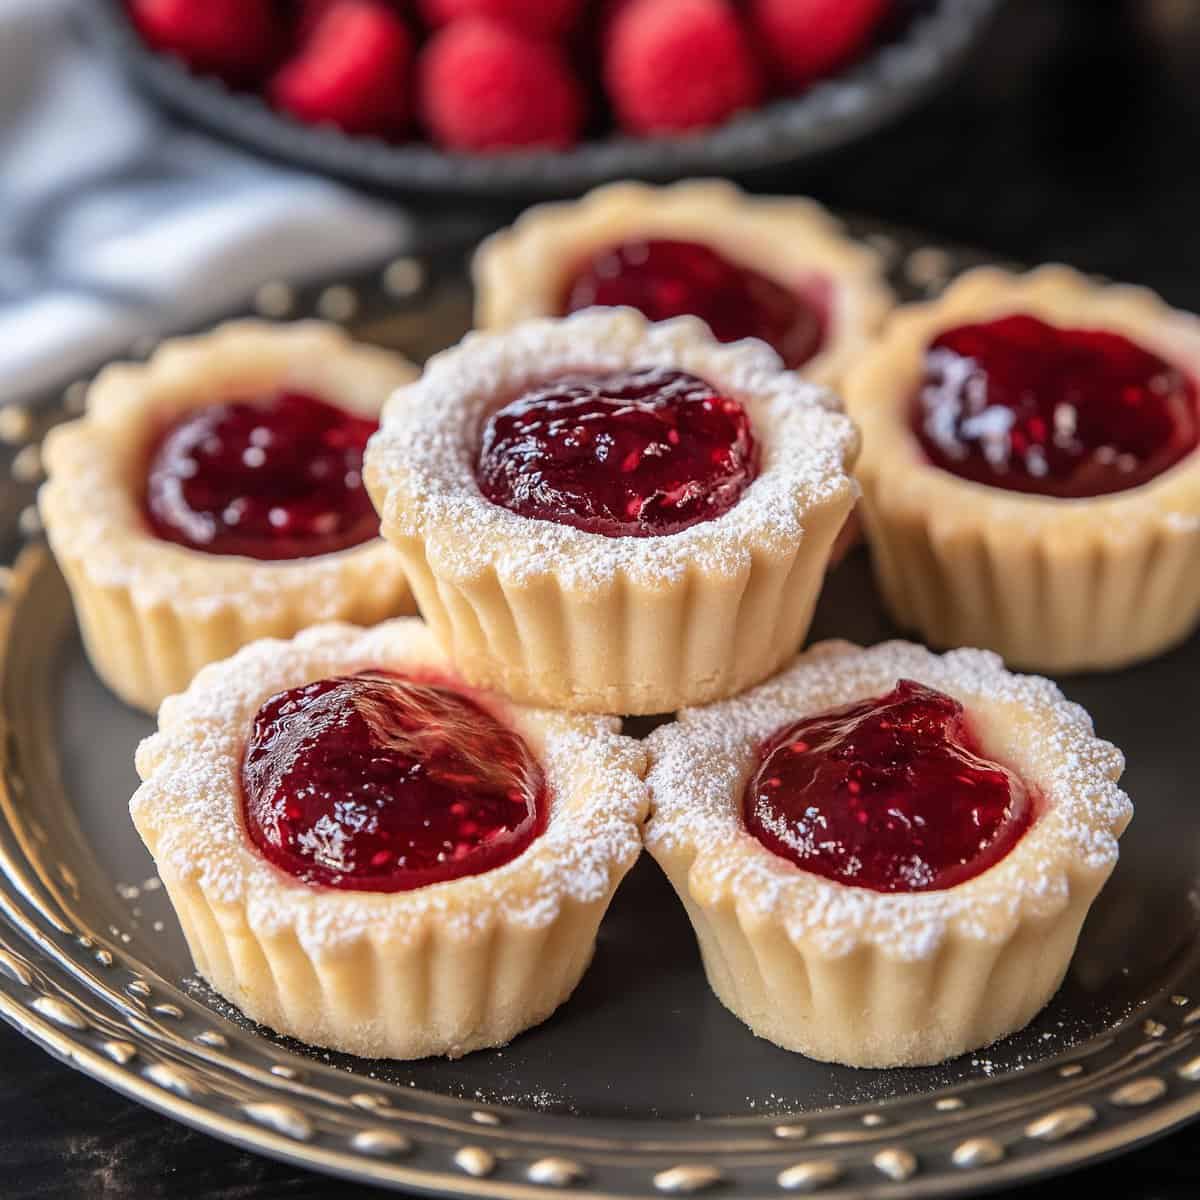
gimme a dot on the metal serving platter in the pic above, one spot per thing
(642, 1084)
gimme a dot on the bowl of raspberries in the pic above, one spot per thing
(538, 97)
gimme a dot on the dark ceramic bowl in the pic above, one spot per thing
(928, 42)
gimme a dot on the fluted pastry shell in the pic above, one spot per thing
(553, 615)
(1051, 584)
(865, 978)
(152, 612)
(522, 271)
(440, 970)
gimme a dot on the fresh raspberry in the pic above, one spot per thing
(308, 13)
(485, 86)
(354, 71)
(674, 65)
(546, 18)
(606, 20)
(237, 40)
(807, 39)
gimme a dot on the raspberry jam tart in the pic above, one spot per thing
(1031, 469)
(887, 854)
(213, 494)
(373, 782)
(273, 478)
(368, 855)
(779, 269)
(602, 514)
(891, 794)
(662, 278)
(1021, 404)
(635, 453)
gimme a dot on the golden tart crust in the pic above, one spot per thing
(557, 616)
(153, 612)
(521, 271)
(874, 979)
(443, 969)
(1053, 585)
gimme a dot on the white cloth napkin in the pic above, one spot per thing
(116, 222)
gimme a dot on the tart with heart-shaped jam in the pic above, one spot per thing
(887, 855)
(214, 494)
(1031, 480)
(370, 855)
(602, 514)
(779, 269)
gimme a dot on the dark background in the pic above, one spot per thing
(1074, 135)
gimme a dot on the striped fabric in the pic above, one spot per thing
(115, 222)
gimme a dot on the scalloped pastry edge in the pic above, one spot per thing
(1053, 585)
(444, 969)
(556, 616)
(870, 979)
(520, 271)
(152, 612)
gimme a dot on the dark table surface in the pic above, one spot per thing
(1074, 134)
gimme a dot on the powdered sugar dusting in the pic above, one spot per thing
(420, 466)
(188, 807)
(700, 765)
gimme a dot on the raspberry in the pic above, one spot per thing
(353, 71)
(606, 20)
(546, 18)
(237, 40)
(485, 86)
(308, 17)
(307, 13)
(807, 39)
(674, 65)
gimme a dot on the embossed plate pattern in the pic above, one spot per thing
(642, 1084)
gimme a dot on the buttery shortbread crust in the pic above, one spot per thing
(521, 271)
(153, 612)
(553, 615)
(873, 979)
(443, 969)
(1053, 585)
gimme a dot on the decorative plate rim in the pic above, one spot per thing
(86, 998)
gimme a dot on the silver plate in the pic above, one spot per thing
(642, 1083)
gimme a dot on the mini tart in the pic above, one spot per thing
(1052, 584)
(152, 612)
(867, 978)
(523, 271)
(443, 969)
(555, 615)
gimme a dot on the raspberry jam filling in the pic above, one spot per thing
(890, 794)
(274, 477)
(373, 782)
(637, 453)
(1019, 404)
(663, 279)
